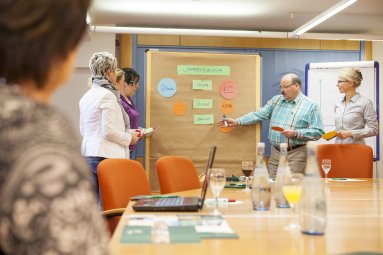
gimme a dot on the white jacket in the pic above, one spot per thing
(102, 125)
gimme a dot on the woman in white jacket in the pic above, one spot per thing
(104, 124)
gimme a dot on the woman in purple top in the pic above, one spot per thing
(129, 78)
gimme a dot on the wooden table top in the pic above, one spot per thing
(354, 224)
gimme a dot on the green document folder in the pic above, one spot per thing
(142, 234)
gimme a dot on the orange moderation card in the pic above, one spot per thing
(225, 129)
(329, 135)
(279, 129)
(179, 108)
(227, 106)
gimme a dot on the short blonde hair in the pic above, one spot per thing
(351, 74)
(101, 62)
(119, 75)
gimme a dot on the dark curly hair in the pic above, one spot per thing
(35, 34)
(131, 75)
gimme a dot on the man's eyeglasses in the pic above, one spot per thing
(285, 87)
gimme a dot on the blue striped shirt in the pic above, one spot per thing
(302, 114)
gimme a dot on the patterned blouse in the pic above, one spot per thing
(47, 202)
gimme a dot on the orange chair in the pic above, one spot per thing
(176, 173)
(347, 160)
(120, 179)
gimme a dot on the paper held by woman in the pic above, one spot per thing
(329, 135)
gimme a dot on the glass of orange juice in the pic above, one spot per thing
(292, 189)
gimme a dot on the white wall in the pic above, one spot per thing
(68, 96)
(377, 55)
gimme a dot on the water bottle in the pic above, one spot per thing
(313, 200)
(261, 191)
(282, 170)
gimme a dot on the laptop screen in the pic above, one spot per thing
(207, 174)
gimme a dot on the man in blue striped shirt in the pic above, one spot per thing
(296, 114)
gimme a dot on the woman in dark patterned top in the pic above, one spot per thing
(47, 203)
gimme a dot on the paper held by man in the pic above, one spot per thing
(278, 129)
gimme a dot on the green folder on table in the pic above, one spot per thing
(142, 234)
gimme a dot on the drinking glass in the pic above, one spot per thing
(326, 166)
(247, 169)
(217, 182)
(292, 189)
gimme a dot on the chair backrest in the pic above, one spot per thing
(347, 160)
(120, 179)
(176, 173)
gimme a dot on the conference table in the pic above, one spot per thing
(354, 224)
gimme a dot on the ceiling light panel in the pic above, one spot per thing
(210, 8)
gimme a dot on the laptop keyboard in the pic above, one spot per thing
(171, 201)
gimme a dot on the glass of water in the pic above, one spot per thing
(217, 182)
(326, 166)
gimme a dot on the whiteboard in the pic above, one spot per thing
(321, 81)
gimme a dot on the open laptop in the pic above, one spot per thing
(178, 204)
